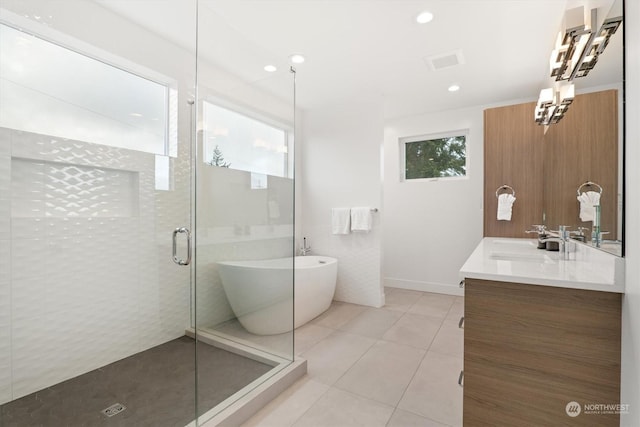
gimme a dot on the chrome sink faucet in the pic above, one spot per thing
(562, 236)
(539, 229)
(304, 250)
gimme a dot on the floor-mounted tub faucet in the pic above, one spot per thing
(304, 250)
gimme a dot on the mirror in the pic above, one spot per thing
(583, 152)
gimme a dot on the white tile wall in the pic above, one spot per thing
(341, 168)
(358, 257)
(65, 190)
(85, 271)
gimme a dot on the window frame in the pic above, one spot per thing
(403, 141)
(80, 47)
(287, 128)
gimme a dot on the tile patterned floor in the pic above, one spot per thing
(394, 366)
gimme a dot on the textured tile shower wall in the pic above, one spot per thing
(85, 248)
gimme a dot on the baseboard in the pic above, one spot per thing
(414, 285)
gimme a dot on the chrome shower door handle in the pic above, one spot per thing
(181, 230)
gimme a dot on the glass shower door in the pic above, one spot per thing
(244, 205)
(95, 174)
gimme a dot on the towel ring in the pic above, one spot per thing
(589, 184)
(505, 187)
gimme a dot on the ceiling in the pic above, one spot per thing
(374, 49)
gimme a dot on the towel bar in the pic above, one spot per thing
(505, 187)
(589, 184)
(374, 209)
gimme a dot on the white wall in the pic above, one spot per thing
(341, 168)
(431, 227)
(630, 393)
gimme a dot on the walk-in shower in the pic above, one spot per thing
(140, 145)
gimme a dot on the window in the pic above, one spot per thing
(49, 89)
(434, 156)
(237, 141)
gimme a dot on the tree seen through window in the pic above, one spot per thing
(436, 158)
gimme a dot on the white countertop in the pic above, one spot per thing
(519, 261)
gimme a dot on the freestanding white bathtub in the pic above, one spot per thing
(261, 292)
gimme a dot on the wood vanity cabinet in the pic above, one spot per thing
(529, 350)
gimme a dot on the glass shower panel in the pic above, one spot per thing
(244, 202)
(95, 174)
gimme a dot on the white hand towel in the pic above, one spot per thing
(341, 220)
(588, 200)
(505, 205)
(361, 219)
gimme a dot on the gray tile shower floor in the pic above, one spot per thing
(156, 386)
(392, 366)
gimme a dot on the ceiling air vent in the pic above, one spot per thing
(444, 60)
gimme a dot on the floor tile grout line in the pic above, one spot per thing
(315, 402)
(318, 342)
(371, 309)
(329, 327)
(436, 334)
(377, 340)
(422, 416)
(355, 362)
(454, 303)
(365, 398)
(414, 302)
(394, 406)
(426, 352)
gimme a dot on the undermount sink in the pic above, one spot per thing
(515, 242)
(528, 256)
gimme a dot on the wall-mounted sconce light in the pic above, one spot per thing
(553, 104)
(598, 44)
(577, 50)
(576, 53)
(545, 106)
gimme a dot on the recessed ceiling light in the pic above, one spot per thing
(297, 58)
(424, 17)
(454, 88)
(270, 68)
